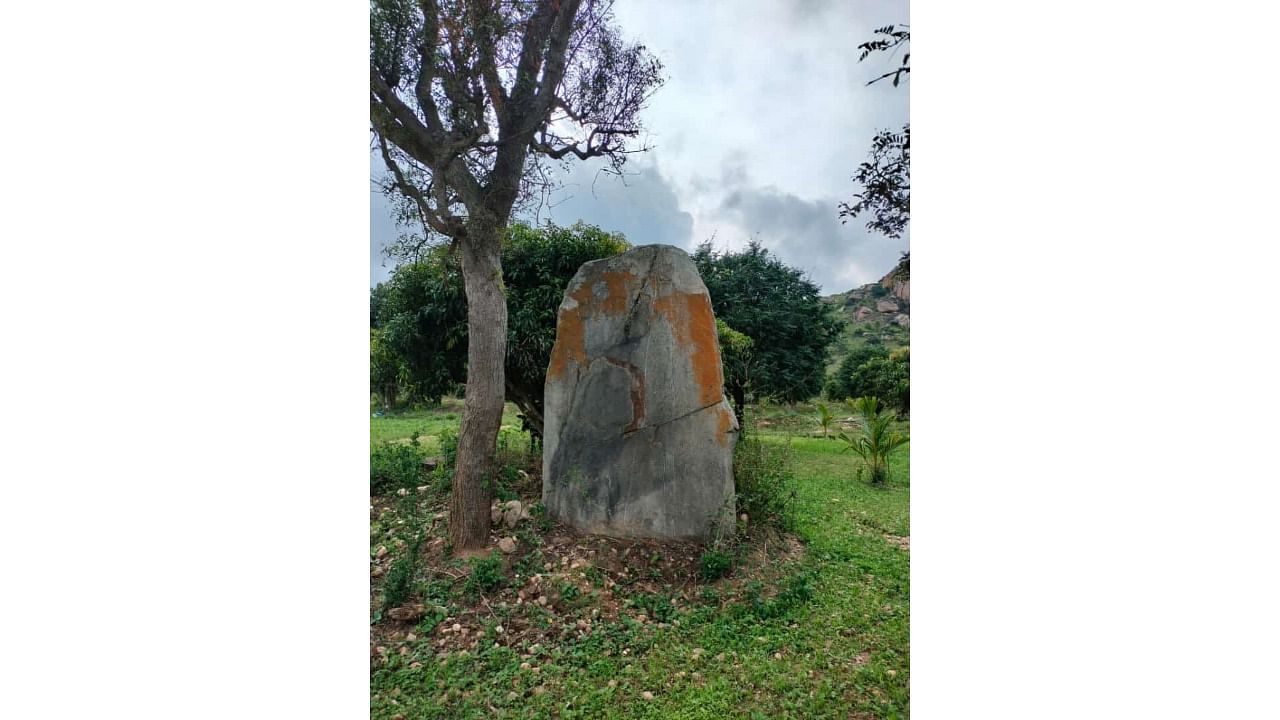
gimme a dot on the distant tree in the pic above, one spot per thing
(385, 370)
(791, 329)
(420, 316)
(885, 178)
(466, 98)
(423, 309)
(735, 358)
(872, 370)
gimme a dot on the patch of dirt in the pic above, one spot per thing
(901, 541)
(558, 583)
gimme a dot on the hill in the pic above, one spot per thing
(878, 312)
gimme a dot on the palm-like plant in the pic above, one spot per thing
(826, 419)
(875, 437)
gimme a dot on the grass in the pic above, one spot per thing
(827, 637)
(429, 423)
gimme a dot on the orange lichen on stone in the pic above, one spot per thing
(570, 340)
(691, 316)
(618, 292)
(570, 344)
(724, 426)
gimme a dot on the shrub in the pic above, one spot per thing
(875, 438)
(658, 606)
(825, 419)
(486, 575)
(765, 482)
(872, 370)
(714, 564)
(797, 591)
(394, 465)
(395, 590)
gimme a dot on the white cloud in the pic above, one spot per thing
(762, 121)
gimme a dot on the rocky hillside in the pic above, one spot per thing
(879, 312)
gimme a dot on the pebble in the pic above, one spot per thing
(646, 695)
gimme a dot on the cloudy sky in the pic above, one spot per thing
(763, 118)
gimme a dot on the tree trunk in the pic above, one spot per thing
(739, 404)
(482, 407)
(529, 406)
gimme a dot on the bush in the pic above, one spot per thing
(486, 575)
(395, 590)
(873, 370)
(765, 482)
(714, 564)
(395, 465)
(658, 606)
(874, 438)
(797, 591)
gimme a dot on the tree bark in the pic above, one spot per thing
(472, 494)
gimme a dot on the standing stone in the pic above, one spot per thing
(638, 435)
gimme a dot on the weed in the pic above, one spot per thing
(394, 465)
(569, 592)
(765, 480)
(657, 605)
(486, 575)
(400, 577)
(714, 564)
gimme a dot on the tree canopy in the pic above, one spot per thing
(421, 310)
(467, 98)
(791, 329)
(873, 370)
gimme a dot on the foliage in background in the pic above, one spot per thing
(386, 371)
(420, 314)
(871, 369)
(826, 420)
(735, 357)
(422, 311)
(875, 437)
(395, 465)
(791, 329)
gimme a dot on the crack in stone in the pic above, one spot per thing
(678, 417)
(631, 315)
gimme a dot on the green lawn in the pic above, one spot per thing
(428, 423)
(832, 643)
